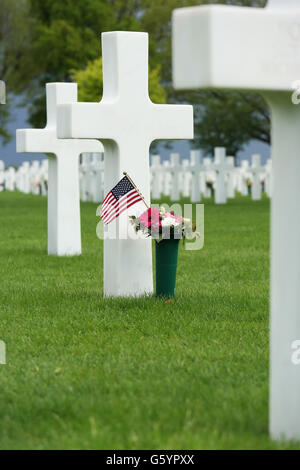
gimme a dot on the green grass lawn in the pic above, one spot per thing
(88, 373)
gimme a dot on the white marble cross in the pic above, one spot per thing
(156, 170)
(64, 233)
(221, 167)
(2, 176)
(256, 171)
(25, 179)
(242, 177)
(10, 179)
(268, 178)
(84, 176)
(44, 177)
(127, 121)
(96, 179)
(167, 178)
(209, 45)
(2, 101)
(88, 176)
(231, 178)
(186, 178)
(2, 92)
(2, 173)
(196, 168)
(207, 178)
(176, 170)
(34, 175)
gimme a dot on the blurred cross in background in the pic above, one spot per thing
(2, 92)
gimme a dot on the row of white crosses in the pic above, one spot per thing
(254, 174)
(27, 178)
(189, 179)
(127, 122)
(91, 177)
(214, 47)
(33, 177)
(7, 176)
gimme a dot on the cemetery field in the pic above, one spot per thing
(88, 373)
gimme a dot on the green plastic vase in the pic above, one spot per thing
(166, 256)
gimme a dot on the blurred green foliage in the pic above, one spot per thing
(49, 40)
(90, 82)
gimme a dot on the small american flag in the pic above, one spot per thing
(120, 198)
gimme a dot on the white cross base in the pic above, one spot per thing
(127, 121)
(64, 232)
(209, 45)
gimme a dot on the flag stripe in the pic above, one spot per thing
(124, 208)
(114, 205)
(115, 209)
(113, 202)
(108, 202)
(121, 197)
(107, 199)
(108, 194)
(111, 207)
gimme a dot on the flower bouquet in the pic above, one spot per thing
(166, 229)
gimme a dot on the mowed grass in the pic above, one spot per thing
(85, 372)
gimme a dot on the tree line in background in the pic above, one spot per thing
(52, 40)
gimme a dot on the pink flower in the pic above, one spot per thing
(150, 218)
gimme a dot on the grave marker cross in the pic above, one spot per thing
(221, 167)
(156, 170)
(167, 178)
(2, 175)
(97, 171)
(186, 177)
(209, 45)
(127, 122)
(2, 101)
(64, 233)
(268, 177)
(2, 92)
(256, 171)
(231, 178)
(176, 170)
(196, 167)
